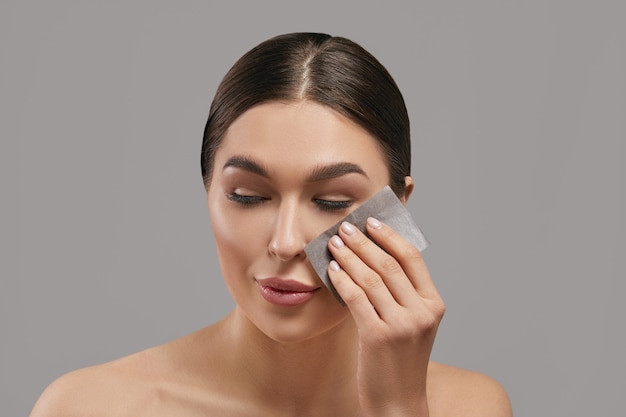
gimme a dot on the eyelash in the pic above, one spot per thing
(324, 205)
(246, 200)
(332, 205)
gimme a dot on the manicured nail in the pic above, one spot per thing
(374, 223)
(336, 242)
(348, 228)
(334, 266)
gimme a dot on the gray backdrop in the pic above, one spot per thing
(518, 116)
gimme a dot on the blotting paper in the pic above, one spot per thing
(384, 206)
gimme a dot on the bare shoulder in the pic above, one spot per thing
(463, 393)
(155, 382)
(105, 389)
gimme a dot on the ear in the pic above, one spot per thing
(408, 189)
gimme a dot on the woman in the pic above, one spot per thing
(303, 129)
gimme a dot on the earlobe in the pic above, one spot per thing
(408, 189)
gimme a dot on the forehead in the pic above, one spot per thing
(298, 135)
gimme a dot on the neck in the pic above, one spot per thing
(305, 375)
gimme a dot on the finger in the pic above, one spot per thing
(408, 256)
(386, 268)
(355, 298)
(362, 275)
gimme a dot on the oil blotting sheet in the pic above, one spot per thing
(386, 207)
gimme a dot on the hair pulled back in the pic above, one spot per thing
(332, 71)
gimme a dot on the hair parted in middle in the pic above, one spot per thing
(332, 71)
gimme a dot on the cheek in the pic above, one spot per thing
(239, 237)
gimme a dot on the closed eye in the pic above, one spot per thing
(245, 200)
(253, 200)
(332, 205)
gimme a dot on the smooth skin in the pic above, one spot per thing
(396, 309)
(284, 173)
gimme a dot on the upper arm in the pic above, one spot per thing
(57, 399)
(462, 393)
(488, 398)
(479, 395)
(90, 392)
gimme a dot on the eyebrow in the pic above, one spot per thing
(326, 172)
(247, 164)
(319, 173)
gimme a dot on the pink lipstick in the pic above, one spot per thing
(285, 292)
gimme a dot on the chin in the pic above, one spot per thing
(302, 326)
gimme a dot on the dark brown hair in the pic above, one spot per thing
(332, 71)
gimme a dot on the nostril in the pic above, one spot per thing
(287, 241)
(286, 250)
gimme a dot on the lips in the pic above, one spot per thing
(285, 292)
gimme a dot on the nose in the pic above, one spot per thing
(288, 239)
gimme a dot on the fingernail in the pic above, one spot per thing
(374, 223)
(348, 228)
(334, 266)
(336, 242)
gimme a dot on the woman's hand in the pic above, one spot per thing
(397, 310)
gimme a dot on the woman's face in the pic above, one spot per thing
(283, 174)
